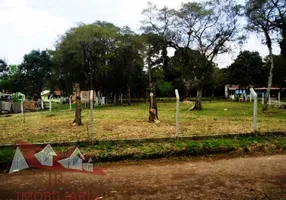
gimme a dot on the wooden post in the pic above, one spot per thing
(91, 116)
(70, 101)
(253, 93)
(22, 104)
(51, 102)
(177, 112)
(151, 99)
(262, 98)
(279, 99)
(42, 104)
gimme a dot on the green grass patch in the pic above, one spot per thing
(121, 122)
(111, 151)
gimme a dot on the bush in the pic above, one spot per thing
(16, 98)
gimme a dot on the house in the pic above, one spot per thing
(45, 156)
(231, 90)
(45, 95)
(18, 162)
(73, 159)
(87, 164)
(84, 95)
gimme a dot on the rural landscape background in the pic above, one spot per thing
(177, 109)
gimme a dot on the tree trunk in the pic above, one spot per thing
(267, 95)
(153, 110)
(198, 102)
(77, 119)
(129, 96)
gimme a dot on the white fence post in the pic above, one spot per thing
(70, 101)
(262, 98)
(91, 116)
(42, 104)
(177, 112)
(51, 102)
(253, 93)
(279, 99)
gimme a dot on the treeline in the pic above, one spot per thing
(111, 59)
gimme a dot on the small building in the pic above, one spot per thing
(45, 156)
(18, 162)
(236, 90)
(73, 159)
(45, 95)
(87, 164)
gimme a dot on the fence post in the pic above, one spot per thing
(91, 116)
(262, 98)
(70, 101)
(177, 112)
(279, 99)
(51, 102)
(253, 93)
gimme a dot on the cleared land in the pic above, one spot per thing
(239, 178)
(130, 122)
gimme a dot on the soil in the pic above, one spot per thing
(241, 178)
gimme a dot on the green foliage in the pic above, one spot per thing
(16, 98)
(100, 56)
(35, 71)
(165, 89)
(247, 69)
(279, 71)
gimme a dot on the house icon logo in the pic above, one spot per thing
(34, 156)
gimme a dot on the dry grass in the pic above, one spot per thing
(129, 122)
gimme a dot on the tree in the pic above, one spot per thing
(4, 82)
(205, 27)
(280, 22)
(77, 117)
(277, 18)
(154, 45)
(279, 71)
(260, 19)
(127, 62)
(247, 69)
(36, 70)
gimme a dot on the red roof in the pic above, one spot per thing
(58, 92)
(29, 151)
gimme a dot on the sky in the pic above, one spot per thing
(37, 24)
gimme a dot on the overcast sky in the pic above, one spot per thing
(36, 24)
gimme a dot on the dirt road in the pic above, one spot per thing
(238, 178)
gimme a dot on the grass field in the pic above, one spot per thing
(131, 122)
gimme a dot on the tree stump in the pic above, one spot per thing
(77, 119)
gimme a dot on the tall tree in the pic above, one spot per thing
(247, 69)
(260, 19)
(36, 70)
(206, 27)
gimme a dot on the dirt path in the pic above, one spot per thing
(238, 178)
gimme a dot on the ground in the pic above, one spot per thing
(131, 122)
(193, 178)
